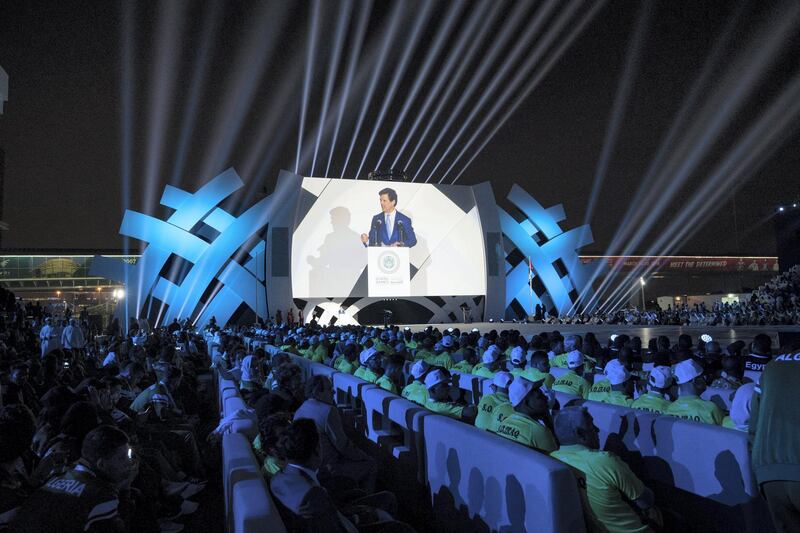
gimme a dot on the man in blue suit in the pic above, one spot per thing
(390, 227)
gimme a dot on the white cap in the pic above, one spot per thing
(447, 341)
(574, 359)
(517, 355)
(406, 328)
(436, 377)
(686, 371)
(520, 388)
(616, 372)
(366, 355)
(661, 377)
(502, 379)
(475, 330)
(450, 330)
(491, 354)
(705, 337)
(419, 368)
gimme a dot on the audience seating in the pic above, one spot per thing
(699, 471)
(475, 476)
(248, 504)
(395, 424)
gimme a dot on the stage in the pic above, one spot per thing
(722, 334)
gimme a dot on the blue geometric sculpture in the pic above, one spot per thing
(213, 259)
(559, 282)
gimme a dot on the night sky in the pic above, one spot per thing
(65, 136)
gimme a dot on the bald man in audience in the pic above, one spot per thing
(617, 498)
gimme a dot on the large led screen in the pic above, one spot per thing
(338, 219)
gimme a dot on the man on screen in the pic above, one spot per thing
(390, 227)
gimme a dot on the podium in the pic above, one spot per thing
(388, 271)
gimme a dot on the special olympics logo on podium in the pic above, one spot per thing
(389, 262)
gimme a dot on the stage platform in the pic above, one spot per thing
(722, 334)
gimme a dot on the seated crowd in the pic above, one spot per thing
(662, 378)
(105, 437)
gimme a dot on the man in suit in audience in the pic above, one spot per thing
(338, 455)
(309, 506)
(617, 498)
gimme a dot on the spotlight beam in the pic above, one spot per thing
(453, 14)
(388, 38)
(759, 141)
(522, 72)
(352, 62)
(663, 179)
(127, 86)
(531, 31)
(480, 16)
(190, 114)
(168, 33)
(312, 45)
(528, 88)
(420, 21)
(629, 71)
(342, 22)
(263, 38)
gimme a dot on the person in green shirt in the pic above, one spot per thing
(610, 483)
(490, 363)
(269, 431)
(518, 361)
(346, 363)
(426, 350)
(573, 381)
(689, 405)
(469, 361)
(493, 408)
(539, 369)
(370, 363)
(600, 389)
(416, 390)
(441, 356)
(318, 351)
(621, 385)
(530, 423)
(438, 383)
(656, 400)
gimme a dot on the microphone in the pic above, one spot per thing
(401, 233)
(378, 223)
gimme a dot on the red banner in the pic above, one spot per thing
(688, 263)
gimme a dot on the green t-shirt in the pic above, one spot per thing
(386, 384)
(697, 409)
(608, 480)
(369, 375)
(572, 383)
(318, 354)
(559, 361)
(525, 430)
(344, 366)
(534, 374)
(415, 392)
(616, 397)
(445, 408)
(492, 409)
(271, 466)
(359, 373)
(422, 354)
(463, 367)
(482, 370)
(652, 403)
(443, 359)
(599, 391)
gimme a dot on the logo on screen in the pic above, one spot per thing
(389, 262)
